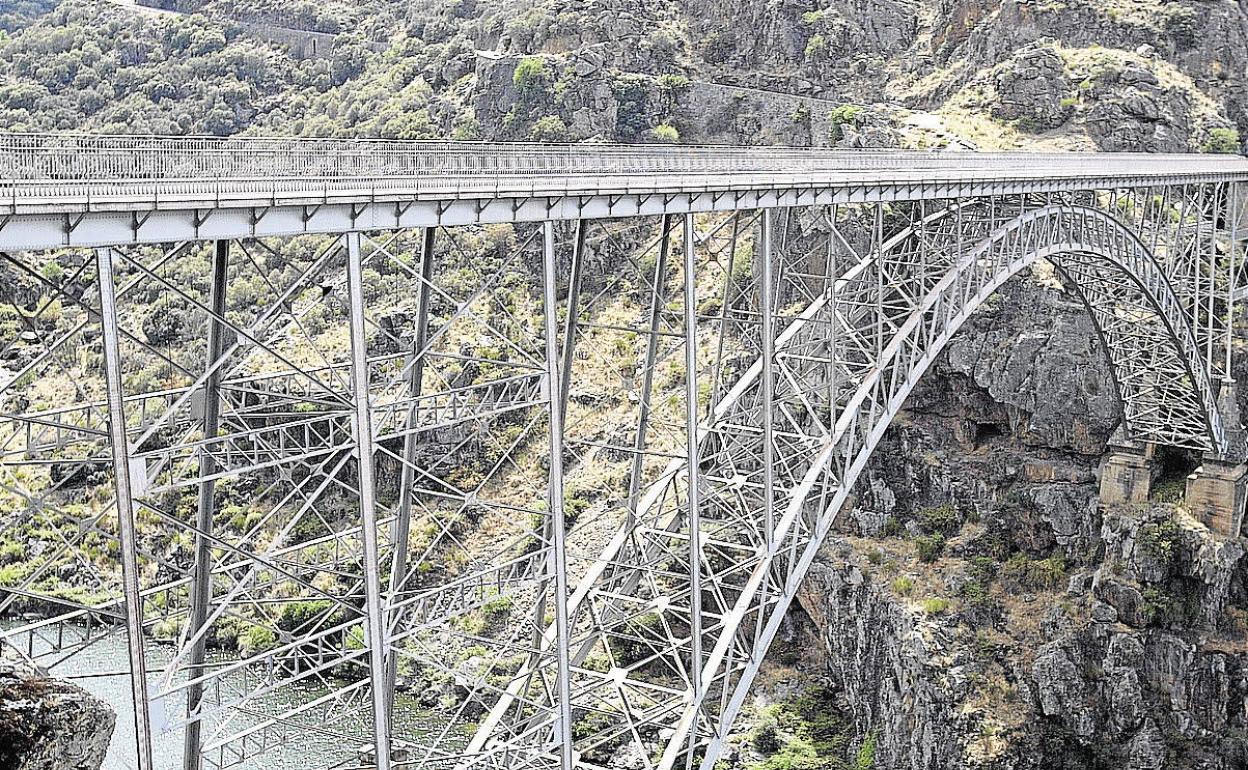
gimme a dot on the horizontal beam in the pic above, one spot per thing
(52, 222)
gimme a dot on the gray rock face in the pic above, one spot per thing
(1013, 415)
(48, 724)
(1033, 87)
(1136, 658)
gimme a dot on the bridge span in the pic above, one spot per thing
(548, 434)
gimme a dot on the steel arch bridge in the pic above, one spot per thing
(304, 399)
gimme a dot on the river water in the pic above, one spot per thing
(102, 669)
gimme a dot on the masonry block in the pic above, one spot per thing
(1216, 495)
(1126, 476)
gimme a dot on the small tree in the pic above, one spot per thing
(531, 76)
(1222, 140)
(845, 114)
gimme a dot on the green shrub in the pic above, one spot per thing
(1170, 491)
(295, 615)
(942, 520)
(1035, 574)
(672, 83)
(256, 639)
(930, 547)
(844, 115)
(531, 77)
(355, 638)
(1161, 541)
(866, 753)
(816, 47)
(903, 585)
(665, 133)
(1222, 140)
(550, 128)
(497, 607)
(935, 606)
(52, 272)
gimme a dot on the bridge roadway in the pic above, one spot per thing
(77, 190)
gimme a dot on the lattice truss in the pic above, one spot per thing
(566, 484)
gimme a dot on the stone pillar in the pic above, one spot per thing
(1216, 494)
(1126, 471)
(1218, 490)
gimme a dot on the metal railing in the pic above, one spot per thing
(81, 157)
(68, 174)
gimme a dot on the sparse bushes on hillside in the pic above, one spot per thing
(1222, 140)
(550, 128)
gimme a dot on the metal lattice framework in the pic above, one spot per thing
(553, 432)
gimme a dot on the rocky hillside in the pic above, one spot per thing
(1120, 75)
(980, 610)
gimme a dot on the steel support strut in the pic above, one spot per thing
(201, 591)
(691, 446)
(554, 384)
(768, 386)
(565, 383)
(647, 373)
(373, 621)
(122, 480)
(415, 387)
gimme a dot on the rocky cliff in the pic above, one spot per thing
(980, 610)
(49, 724)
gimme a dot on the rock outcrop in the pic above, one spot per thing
(1048, 632)
(50, 724)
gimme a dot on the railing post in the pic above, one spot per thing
(119, 444)
(374, 622)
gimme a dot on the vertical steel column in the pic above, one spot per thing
(201, 592)
(565, 382)
(878, 245)
(119, 444)
(555, 498)
(691, 447)
(374, 622)
(574, 313)
(1236, 222)
(768, 386)
(652, 349)
(403, 522)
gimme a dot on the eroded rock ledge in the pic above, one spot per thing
(50, 724)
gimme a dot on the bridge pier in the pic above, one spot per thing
(1216, 494)
(1217, 491)
(1126, 471)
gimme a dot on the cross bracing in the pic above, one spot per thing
(554, 432)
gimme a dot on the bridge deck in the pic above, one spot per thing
(337, 185)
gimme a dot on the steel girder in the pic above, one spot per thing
(767, 360)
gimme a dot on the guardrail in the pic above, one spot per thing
(73, 157)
